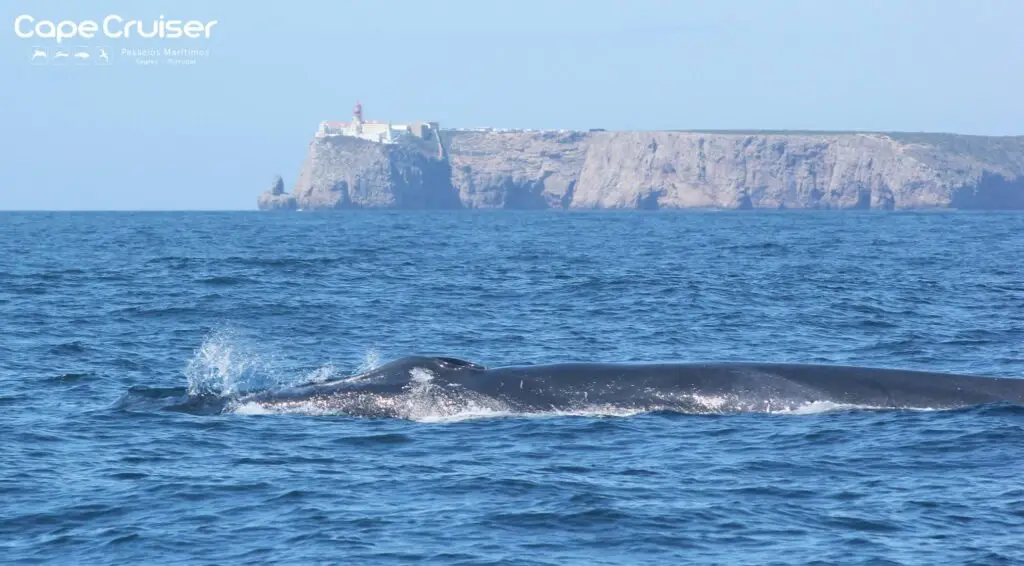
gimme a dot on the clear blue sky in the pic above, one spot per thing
(211, 135)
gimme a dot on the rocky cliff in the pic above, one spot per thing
(652, 170)
(345, 172)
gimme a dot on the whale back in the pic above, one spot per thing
(448, 382)
(399, 371)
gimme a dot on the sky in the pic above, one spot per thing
(82, 135)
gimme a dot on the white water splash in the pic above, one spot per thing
(223, 366)
(326, 372)
(420, 375)
(330, 372)
(253, 409)
(371, 361)
(227, 364)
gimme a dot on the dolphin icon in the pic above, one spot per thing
(38, 53)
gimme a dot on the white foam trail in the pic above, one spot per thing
(252, 409)
(819, 407)
(427, 403)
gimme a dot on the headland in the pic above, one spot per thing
(415, 165)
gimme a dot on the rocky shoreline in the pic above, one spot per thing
(660, 170)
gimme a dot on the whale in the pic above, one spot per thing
(397, 388)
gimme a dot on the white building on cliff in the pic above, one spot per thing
(376, 130)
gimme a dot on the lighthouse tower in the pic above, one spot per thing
(357, 117)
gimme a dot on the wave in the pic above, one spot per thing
(226, 280)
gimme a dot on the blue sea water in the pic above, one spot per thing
(103, 316)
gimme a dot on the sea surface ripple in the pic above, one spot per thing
(103, 316)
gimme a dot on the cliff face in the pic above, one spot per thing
(523, 170)
(683, 170)
(652, 170)
(344, 172)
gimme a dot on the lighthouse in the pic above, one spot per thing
(377, 131)
(357, 117)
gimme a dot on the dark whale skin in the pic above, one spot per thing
(739, 386)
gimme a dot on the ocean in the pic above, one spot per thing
(106, 317)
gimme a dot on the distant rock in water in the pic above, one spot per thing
(661, 170)
(277, 188)
(275, 198)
